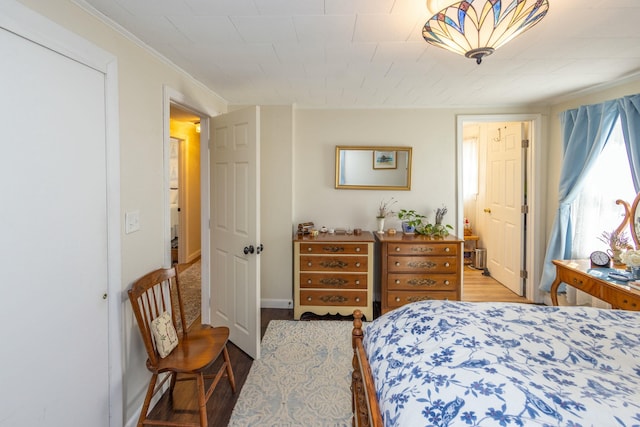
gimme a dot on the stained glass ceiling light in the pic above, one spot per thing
(476, 28)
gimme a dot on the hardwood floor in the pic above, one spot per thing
(479, 288)
(183, 405)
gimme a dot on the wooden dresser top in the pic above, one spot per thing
(365, 236)
(415, 238)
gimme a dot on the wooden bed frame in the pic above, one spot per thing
(366, 412)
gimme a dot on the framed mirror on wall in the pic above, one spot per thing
(373, 167)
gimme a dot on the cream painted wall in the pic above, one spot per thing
(431, 133)
(276, 186)
(141, 77)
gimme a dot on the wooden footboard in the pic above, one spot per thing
(366, 411)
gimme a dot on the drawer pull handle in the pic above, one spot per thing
(357, 282)
(310, 249)
(446, 282)
(397, 264)
(357, 249)
(447, 249)
(309, 264)
(357, 264)
(308, 298)
(446, 264)
(577, 282)
(397, 299)
(357, 299)
(397, 248)
(397, 281)
(309, 281)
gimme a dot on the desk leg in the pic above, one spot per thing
(554, 288)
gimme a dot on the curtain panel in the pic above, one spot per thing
(585, 131)
(629, 108)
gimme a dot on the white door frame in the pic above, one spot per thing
(26, 23)
(535, 221)
(173, 96)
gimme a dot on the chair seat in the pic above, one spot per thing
(196, 352)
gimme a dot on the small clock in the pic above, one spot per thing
(600, 259)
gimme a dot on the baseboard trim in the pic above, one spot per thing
(276, 303)
(194, 256)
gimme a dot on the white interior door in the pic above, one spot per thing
(54, 213)
(505, 199)
(235, 225)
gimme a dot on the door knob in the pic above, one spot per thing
(249, 249)
(487, 210)
(260, 249)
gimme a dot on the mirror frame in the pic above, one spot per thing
(339, 148)
(630, 215)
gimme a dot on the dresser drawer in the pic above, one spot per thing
(329, 263)
(333, 280)
(619, 300)
(418, 282)
(413, 264)
(422, 249)
(333, 248)
(333, 298)
(399, 298)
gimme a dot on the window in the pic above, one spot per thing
(595, 210)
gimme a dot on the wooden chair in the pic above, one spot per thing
(197, 349)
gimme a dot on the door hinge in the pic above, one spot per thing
(524, 274)
(524, 209)
(525, 143)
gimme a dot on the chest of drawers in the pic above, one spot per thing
(333, 274)
(416, 267)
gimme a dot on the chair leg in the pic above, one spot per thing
(172, 384)
(147, 399)
(232, 380)
(202, 400)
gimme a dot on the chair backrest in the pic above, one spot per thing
(152, 295)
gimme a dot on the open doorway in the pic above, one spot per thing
(498, 184)
(184, 205)
(184, 184)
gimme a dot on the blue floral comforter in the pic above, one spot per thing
(440, 363)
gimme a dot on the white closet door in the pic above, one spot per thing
(53, 216)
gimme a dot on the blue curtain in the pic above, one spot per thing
(629, 108)
(585, 131)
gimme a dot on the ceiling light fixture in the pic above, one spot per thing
(476, 28)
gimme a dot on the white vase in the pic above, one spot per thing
(380, 224)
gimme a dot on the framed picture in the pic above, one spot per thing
(384, 160)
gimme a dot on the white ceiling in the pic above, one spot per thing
(370, 53)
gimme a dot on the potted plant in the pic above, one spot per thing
(439, 229)
(411, 220)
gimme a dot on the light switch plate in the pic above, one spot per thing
(131, 221)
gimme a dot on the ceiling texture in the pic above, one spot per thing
(371, 54)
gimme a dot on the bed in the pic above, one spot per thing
(446, 363)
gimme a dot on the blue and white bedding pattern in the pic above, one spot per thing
(442, 363)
